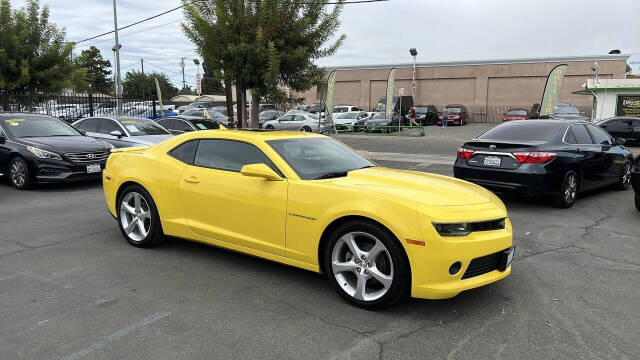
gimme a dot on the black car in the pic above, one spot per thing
(426, 114)
(41, 148)
(568, 112)
(627, 128)
(181, 124)
(635, 180)
(558, 158)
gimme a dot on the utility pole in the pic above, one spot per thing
(184, 85)
(144, 81)
(116, 48)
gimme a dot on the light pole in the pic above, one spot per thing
(413, 53)
(198, 79)
(116, 48)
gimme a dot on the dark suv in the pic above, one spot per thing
(426, 114)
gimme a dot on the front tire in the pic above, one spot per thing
(306, 129)
(19, 174)
(138, 218)
(624, 181)
(366, 265)
(270, 127)
(568, 192)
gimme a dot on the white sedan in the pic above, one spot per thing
(345, 121)
(298, 121)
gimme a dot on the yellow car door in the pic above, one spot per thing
(223, 204)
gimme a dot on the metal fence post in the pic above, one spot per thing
(5, 101)
(90, 104)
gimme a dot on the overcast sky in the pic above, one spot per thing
(379, 33)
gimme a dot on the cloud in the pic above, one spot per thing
(380, 33)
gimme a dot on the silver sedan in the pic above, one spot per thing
(298, 121)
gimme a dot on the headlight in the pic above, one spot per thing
(43, 154)
(452, 229)
(110, 145)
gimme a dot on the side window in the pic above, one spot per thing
(600, 136)
(89, 125)
(185, 152)
(300, 118)
(229, 155)
(569, 138)
(355, 108)
(581, 134)
(181, 125)
(106, 126)
(287, 118)
(166, 123)
(635, 123)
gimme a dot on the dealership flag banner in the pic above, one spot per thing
(331, 84)
(551, 89)
(389, 104)
(159, 97)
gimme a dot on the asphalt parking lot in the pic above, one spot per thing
(72, 288)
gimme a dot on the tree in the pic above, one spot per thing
(187, 90)
(134, 80)
(211, 83)
(97, 70)
(34, 56)
(264, 44)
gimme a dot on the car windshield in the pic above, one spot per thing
(141, 127)
(38, 126)
(452, 110)
(519, 131)
(517, 112)
(380, 115)
(566, 110)
(349, 116)
(203, 124)
(315, 158)
(422, 109)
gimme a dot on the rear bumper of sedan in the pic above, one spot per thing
(480, 258)
(528, 179)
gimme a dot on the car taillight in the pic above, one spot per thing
(464, 153)
(534, 157)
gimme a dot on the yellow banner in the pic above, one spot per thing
(552, 89)
(389, 105)
(331, 84)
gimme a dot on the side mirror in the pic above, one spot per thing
(620, 141)
(116, 133)
(260, 171)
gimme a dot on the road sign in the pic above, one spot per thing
(198, 84)
(401, 91)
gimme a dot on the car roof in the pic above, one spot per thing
(548, 121)
(23, 113)
(250, 135)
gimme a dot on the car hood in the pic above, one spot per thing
(417, 187)
(64, 144)
(148, 139)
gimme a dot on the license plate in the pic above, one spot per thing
(492, 160)
(95, 168)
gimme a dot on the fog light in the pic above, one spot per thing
(455, 268)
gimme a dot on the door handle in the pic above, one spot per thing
(192, 179)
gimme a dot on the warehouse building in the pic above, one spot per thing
(487, 88)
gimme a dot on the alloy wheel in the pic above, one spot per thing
(626, 175)
(362, 266)
(571, 188)
(135, 216)
(18, 173)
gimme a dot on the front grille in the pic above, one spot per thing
(88, 157)
(483, 265)
(487, 225)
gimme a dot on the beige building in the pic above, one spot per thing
(487, 88)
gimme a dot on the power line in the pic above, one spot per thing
(161, 68)
(181, 6)
(136, 32)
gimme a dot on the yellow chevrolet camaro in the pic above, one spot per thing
(310, 201)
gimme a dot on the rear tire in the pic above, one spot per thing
(624, 180)
(377, 278)
(19, 175)
(568, 192)
(270, 127)
(138, 217)
(306, 129)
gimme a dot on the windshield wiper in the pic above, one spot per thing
(331, 175)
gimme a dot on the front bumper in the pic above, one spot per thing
(430, 265)
(49, 171)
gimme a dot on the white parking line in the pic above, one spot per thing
(421, 159)
(117, 335)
